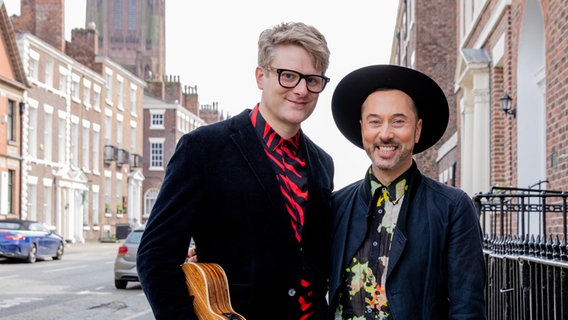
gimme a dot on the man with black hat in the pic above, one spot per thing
(404, 246)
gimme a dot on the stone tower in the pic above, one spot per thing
(132, 33)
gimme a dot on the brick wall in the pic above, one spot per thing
(45, 19)
(434, 42)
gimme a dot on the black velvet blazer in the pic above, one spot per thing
(220, 189)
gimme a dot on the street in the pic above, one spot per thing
(80, 286)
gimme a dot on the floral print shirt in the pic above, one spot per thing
(363, 295)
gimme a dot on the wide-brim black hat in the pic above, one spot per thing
(355, 87)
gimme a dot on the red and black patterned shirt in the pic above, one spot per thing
(289, 166)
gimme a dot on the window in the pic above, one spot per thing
(75, 142)
(61, 124)
(47, 195)
(32, 132)
(133, 100)
(62, 79)
(96, 147)
(11, 187)
(86, 205)
(48, 134)
(11, 129)
(96, 199)
(11, 190)
(180, 121)
(107, 192)
(131, 14)
(75, 87)
(149, 201)
(87, 93)
(157, 153)
(133, 138)
(120, 93)
(34, 65)
(108, 129)
(117, 14)
(85, 148)
(119, 129)
(157, 119)
(48, 73)
(97, 98)
(119, 208)
(108, 83)
(32, 201)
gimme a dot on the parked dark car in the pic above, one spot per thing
(29, 240)
(125, 262)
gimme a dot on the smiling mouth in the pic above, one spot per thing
(387, 148)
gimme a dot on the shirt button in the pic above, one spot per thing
(292, 292)
(375, 243)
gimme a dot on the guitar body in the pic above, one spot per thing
(208, 285)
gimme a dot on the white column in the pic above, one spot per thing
(481, 135)
(466, 108)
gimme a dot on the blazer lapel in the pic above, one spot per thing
(249, 145)
(399, 238)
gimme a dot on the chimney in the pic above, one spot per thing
(86, 38)
(45, 19)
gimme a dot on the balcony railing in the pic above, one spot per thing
(122, 157)
(110, 154)
(135, 160)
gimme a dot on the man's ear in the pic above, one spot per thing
(259, 75)
(418, 131)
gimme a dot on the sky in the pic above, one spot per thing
(213, 44)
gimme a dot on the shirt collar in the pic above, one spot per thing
(396, 188)
(270, 138)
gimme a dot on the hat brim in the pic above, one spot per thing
(355, 87)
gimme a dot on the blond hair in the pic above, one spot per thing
(294, 33)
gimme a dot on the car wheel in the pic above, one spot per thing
(120, 284)
(32, 254)
(59, 253)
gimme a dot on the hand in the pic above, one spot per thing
(191, 255)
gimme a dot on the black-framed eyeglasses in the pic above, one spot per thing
(289, 79)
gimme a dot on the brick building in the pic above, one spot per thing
(13, 84)
(132, 33)
(86, 164)
(508, 97)
(425, 40)
(501, 48)
(82, 129)
(164, 124)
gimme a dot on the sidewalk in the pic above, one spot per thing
(92, 246)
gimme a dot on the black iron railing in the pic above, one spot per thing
(526, 253)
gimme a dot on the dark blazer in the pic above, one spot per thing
(436, 266)
(220, 189)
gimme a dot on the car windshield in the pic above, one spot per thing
(10, 225)
(134, 237)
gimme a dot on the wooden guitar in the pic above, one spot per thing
(208, 285)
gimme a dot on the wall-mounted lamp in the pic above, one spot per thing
(506, 105)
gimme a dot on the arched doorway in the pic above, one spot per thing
(531, 104)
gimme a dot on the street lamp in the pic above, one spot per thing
(506, 105)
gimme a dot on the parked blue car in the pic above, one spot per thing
(29, 240)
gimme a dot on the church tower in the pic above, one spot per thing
(132, 33)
